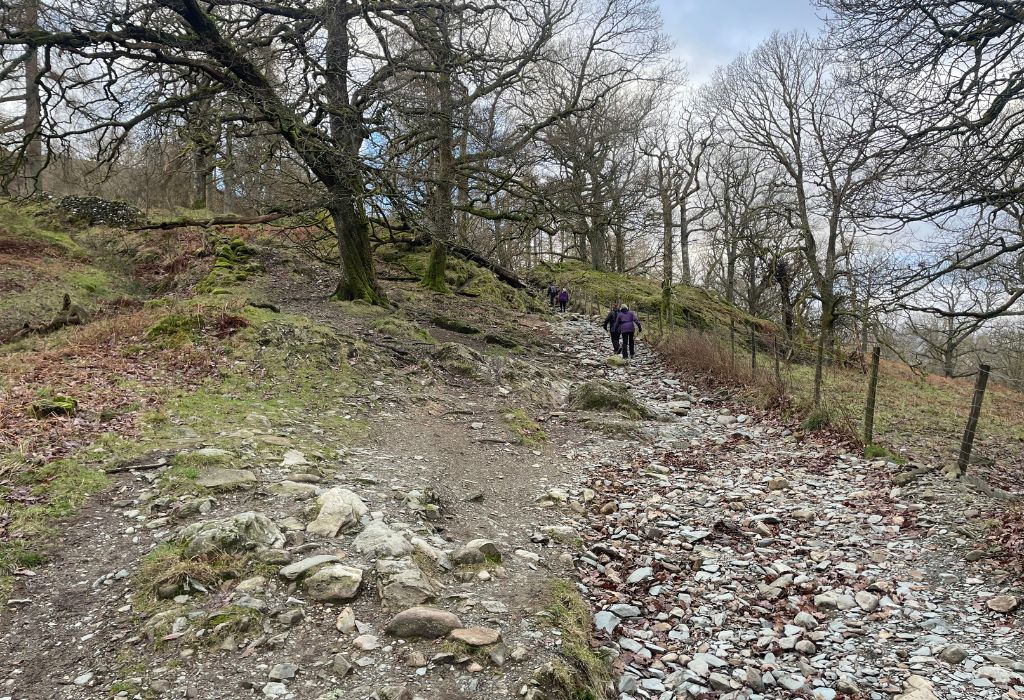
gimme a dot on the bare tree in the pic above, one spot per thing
(789, 101)
(676, 149)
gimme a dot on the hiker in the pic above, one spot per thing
(627, 325)
(609, 325)
(563, 299)
(552, 293)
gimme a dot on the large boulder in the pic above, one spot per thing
(531, 381)
(458, 359)
(423, 623)
(244, 532)
(378, 538)
(340, 510)
(607, 397)
(336, 583)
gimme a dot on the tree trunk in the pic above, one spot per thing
(668, 247)
(684, 246)
(33, 165)
(442, 188)
(228, 171)
(828, 307)
(358, 276)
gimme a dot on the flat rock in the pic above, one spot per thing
(283, 672)
(403, 585)
(606, 621)
(423, 623)
(1002, 603)
(476, 636)
(296, 489)
(917, 688)
(641, 574)
(218, 479)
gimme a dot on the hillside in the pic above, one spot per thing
(216, 483)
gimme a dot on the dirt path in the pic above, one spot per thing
(724, 556)
(439, 464)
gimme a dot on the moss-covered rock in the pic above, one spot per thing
(461, 360)
(53, 406)
(401, 328)
(455, 325)
(607, 397)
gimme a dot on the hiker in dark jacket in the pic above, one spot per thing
(552, 293)
(563, 299)
(628, 325)
(609, 325)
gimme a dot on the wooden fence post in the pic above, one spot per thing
(869, 405)
(972, 419)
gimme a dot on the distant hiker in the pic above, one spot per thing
(563, 299)
(627, 325)
(609, 325)
(552, 294)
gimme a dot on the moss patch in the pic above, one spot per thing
(581, 673)
(166, 572)
(53, 406)
(455, 325)
(467, 279)
(401, 328)
(232, 264)
(520, 424)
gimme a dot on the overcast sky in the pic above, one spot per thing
(711, 32)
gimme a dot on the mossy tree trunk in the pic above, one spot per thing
(358, 278)
(441, 189)
(667, 260)
(344, 181)
(828, 311)
(433, 278)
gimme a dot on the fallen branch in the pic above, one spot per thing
(504, 274)
(216, 221)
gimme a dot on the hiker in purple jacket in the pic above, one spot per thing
(627, 325)
(563, 299)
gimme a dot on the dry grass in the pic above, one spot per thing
(711, 361)
(916, 418)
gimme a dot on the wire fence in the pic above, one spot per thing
(854, 384)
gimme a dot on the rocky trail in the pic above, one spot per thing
(723, 555)
(727, 558)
